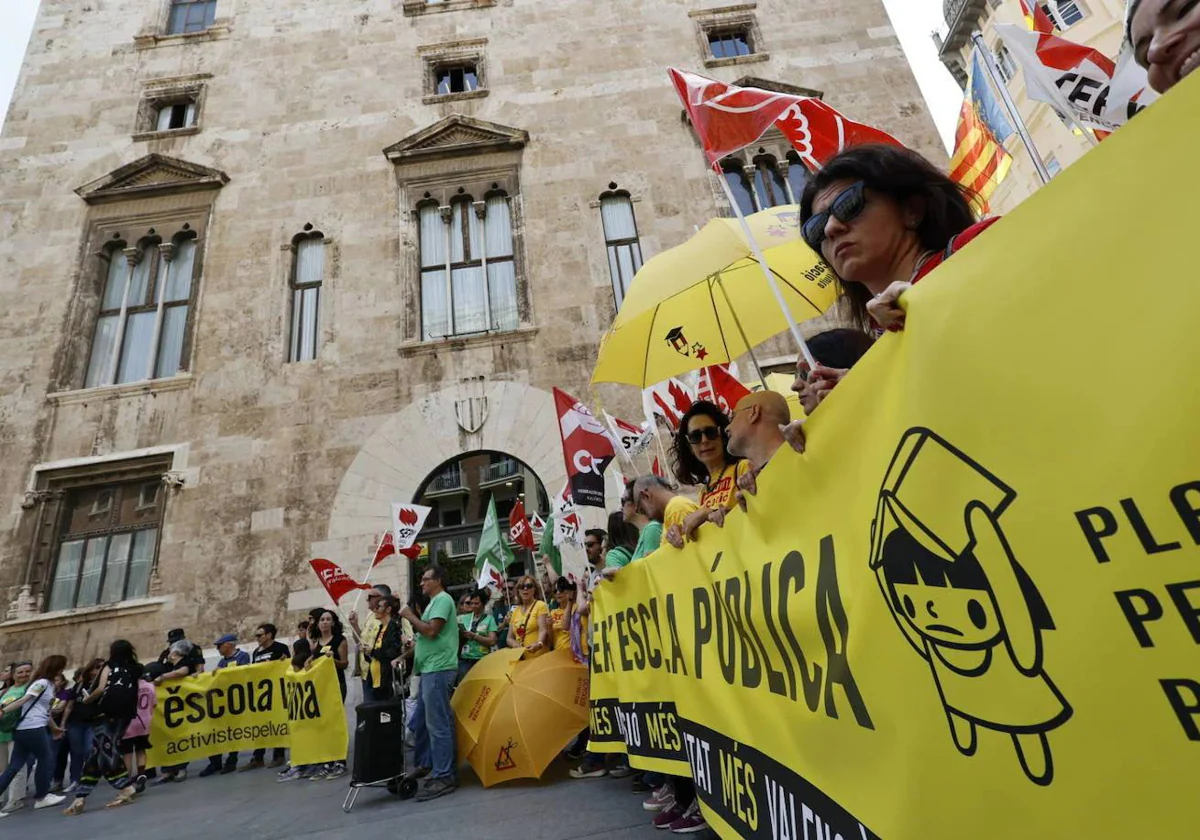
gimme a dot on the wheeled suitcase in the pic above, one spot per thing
(379, 750)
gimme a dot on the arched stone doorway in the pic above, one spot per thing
(399, 455)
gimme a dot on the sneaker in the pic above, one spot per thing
(15, 806)
(140, 783)
(49, 801)
(3, 814)
(275, 762)
(421, 772)
(691, 822)
(254, 764)
(661, 798)
(181, 776)
(621, 771)
(584, 772)
(308, 769)
(71, 787)
(639, 784)
(290, 775)
(210, 770)
(229, 768)
(668, 815)
(336, 771)
(320, 774)
(287, 769)
(435, 788)
(163, 779)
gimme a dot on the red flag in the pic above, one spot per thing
(587, 449)
(1036, 18)
(719, 386)
(336, 582)
(387, 547)
(727, 118)
(670, 399)
(656, 468)
(519, 529)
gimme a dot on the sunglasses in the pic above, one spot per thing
(845, 207)
(707, 433)
(526, 586)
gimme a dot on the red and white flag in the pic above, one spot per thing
(720, 387)
(1078, 80)
(490, 577)
(656, 468)
(1036, 18)
(519, 529)
(407, 521)
(727, 118)
(336, 582)
(387, 547)
(537, 524)
(670, 400)
(633, 440)
(587, 449)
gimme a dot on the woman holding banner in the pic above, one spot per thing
(702, 459)
(331, 641)
(525, 628)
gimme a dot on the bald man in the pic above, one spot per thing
(756, 428)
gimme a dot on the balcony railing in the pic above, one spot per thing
(464, 546)
(450, 479)
(500, 471)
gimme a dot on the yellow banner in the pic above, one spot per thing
(971, 609)
(247, 707)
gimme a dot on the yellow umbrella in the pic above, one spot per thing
(476, 695)
(706, 301)
(782, 383)
(542, 706)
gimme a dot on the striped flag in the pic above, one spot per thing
(1036, 17)
(980, 160)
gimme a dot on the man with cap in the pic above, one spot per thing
(230, 655)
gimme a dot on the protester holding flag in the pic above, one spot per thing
(883, 218)
(702, 459)
(1166, 39)
(477, 632)
(367, 634)
(524, 622)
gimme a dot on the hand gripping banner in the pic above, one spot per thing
(971, 609)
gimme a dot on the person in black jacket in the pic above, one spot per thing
(388, 645)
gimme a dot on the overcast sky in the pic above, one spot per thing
(914, 21)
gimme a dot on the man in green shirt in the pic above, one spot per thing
(436, 661)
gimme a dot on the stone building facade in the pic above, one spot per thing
(269, 267)
(1097, 23)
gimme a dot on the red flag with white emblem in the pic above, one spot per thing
(519, 529)
(587, 449)
(720, 387)
(336, 582)
(670, 400)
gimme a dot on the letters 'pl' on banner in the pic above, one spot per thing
(250, 706)
(969, 610)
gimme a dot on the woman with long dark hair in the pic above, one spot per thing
(702, 458)
(79, 719)
(620, 541)
(116, 696)
(331, 641)
(32, 736)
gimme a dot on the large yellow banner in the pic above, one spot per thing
(247, 707)
(972, 608)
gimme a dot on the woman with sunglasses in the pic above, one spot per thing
(703, 459)
(525, 627)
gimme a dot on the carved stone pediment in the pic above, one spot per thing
(455, 136)
(151, 175)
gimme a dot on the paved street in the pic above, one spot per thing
(253, 806)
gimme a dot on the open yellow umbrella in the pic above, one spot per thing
(477, 694)
(541, 705)
(706, 301)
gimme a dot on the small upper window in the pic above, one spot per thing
(1064, 13)
(729, 44)
(175, 115)
(1005, 63)
(1053, 167)
(191, 16)
(461, 78)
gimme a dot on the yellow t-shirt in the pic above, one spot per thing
(369, 629)
(524, 623)
(561, 632)
(718, 493)
(678, 509)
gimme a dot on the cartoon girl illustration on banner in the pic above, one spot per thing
(963, 601)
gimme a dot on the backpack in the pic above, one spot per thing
(120, 694)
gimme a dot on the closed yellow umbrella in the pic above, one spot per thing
(541, 707)
(706, 301)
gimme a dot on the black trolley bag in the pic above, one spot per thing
(379, 750)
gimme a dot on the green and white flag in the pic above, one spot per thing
(493, 547)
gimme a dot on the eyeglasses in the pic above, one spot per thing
(845, 207)
(707, 433)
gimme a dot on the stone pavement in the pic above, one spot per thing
(254, 806)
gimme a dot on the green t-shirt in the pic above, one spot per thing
(15, 692)
(649, 540)
(472, 649)
(441, 652)
(617, 558)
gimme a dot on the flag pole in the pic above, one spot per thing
(738, 323)
(998, 84)
(770, 278)
(358, 597)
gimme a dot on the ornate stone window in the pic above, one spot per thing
(170, 108)
(99, 528)
(729, 35)
(621, 239)
(307, 278)
(454, 71)
(137, 293)
(461, 179)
